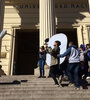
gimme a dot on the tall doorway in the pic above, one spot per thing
(26, 52)
(71, 35)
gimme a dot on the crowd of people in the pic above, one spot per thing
(77, 68)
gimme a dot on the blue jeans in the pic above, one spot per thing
(73, 73)
(41, 63)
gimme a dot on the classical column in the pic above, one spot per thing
(79, 36)
(1, 14)
(88, 32)
(85, 30)
(89, 5)
(1, 19)
(47, 19)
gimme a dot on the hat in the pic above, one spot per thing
(82, 46)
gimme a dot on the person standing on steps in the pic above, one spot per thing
(82, 61)
(73, 65)
(54, 67)
(46, 46)
(88, 60)
(41, 61)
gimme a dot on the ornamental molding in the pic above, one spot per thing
(11, 2)
(37, 1)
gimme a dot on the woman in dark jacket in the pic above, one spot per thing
(41, 61)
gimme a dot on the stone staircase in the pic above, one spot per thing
(33, 88)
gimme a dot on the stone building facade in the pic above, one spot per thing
(22, 20)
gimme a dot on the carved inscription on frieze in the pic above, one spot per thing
(76, 6)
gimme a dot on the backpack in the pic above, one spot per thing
(88, 54)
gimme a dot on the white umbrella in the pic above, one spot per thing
(61, 38)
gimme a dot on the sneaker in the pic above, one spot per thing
(71, 85)
(40, 77)
(77, 88)
(43, 76)
(83, 77)
(49, 77)
(88, 78)
(56, 85)
(65, 78)
(60, 85)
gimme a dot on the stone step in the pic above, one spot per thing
(23, 77)
(77, 96)
(41, 89)
(33, 88)
(32, 80)
(44, 92)
(44, 99)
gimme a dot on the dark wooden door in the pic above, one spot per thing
(26, 52)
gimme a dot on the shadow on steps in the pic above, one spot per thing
(15, 82)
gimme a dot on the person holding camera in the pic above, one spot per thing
(55, 61)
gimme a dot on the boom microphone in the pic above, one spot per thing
(3, 33)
